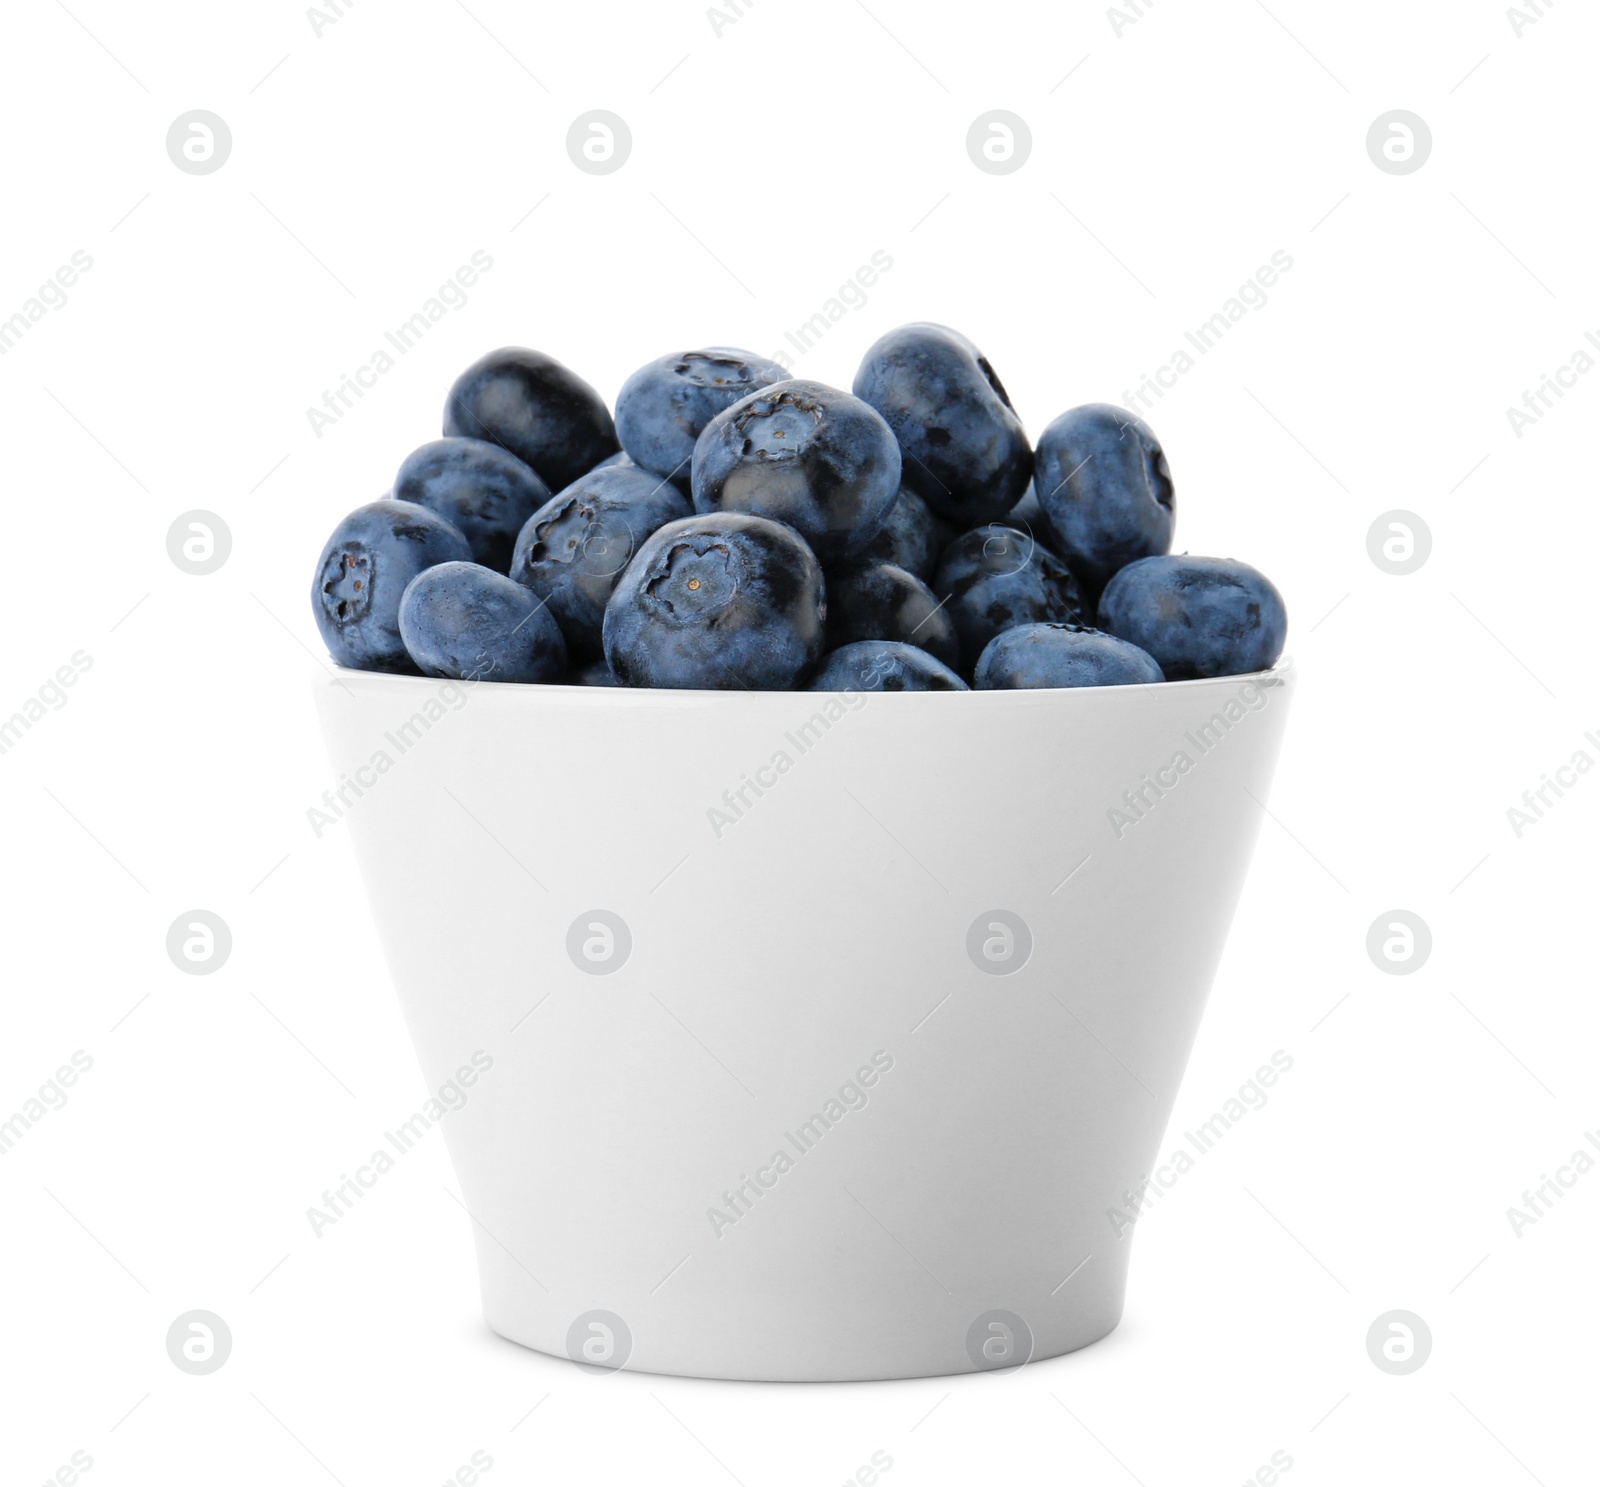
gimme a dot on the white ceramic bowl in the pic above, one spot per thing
(799, 1036)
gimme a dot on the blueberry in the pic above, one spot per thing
(465, 621)
(1106, 491)
(575, 546)
(1052, 655)
(529, 403)
(882, 602)
(884, 666)
(911, 536)
(485, 491)
(1028, 515)
(802, 453)
(663, 406)
(619, 458)
(1197, 616)
(362, 573)
(965, 451)
(995, 577)
(717, 602)
(595, 674)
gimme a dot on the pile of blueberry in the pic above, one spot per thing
(739, 528)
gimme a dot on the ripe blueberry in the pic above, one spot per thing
(484, 491)
(717, 602)
(595, 674)
(965, 450)
(882, 602)
(1028, 515)
(1197, 616)
(573, 548)
(802, 453)
(911, 536)
(1054, 655)
(995, 577)
(465, 621)
(529, 403)
(1105, 490)
(663, 407)
(884, 666)
(363, 572)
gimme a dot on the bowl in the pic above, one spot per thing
(801, 1036)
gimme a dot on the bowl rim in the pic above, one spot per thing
(1280, 674)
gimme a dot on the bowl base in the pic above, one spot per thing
(730, 1372)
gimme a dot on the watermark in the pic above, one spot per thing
(353, 785)
(850, 296)
(199, 1342)
(739, 1198)
(467, 1474)
(999, 1339)
(1529, 13)
(599, 142)
(329, 13)
(51, 295)
(452, 1095)
(739, 800)
(49, 697)
(199, 142)
(1249, 298)
(1130, 13)
(999, 142)
(199, 942)
(1550, 389)
(1398, 542)
(1268, 1473)
(1538, 1201)
(1399, 142)
(1139, 801)
(599, 1342)
(599, 942)
(199, 542)
(450, 298)
(1538, 801)
(67, 1474)
(1399, 1342)
(1138, 1200)
(1399, 942)
(870, 1470)
(999, 942)
(51, 1095)
(721, 19)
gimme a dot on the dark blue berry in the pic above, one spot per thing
(884, 666)
(995, 577)
(1105, 489)
(911, 536)
(1054, 655)
(550, 418)
(882, 602)
(484, 491)
(1028, 515)
(363, 572)
(573, 549)
(465, 621)
(1197, 616)
(595, 674)
(965, 450)
(806, 454)
(663, 407)
(717, 602)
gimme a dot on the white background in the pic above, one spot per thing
(768, 163)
